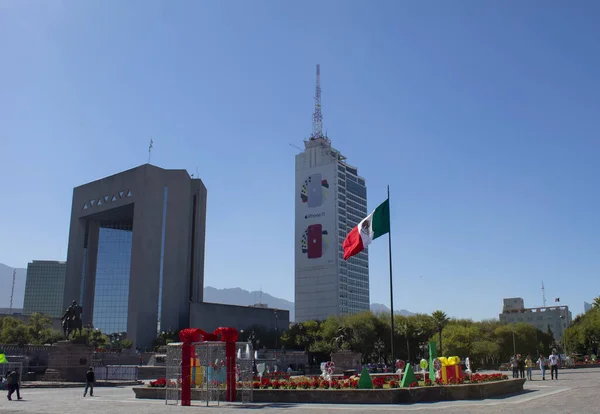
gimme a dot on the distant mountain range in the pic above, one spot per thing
(241, 297)
(230, 296)
(380, 308)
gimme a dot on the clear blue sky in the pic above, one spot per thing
(481, 116)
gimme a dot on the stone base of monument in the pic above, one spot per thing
(51, 375)
(68, 361)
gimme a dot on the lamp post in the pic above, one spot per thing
(514, 342)
(276, 330)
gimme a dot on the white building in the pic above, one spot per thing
(331, 199)
(557, 318)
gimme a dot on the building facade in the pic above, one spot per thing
(44, 288)
(587, 307)
(330, 200)
(555, 318)
(136, 251)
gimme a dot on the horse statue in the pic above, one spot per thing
(71, 320)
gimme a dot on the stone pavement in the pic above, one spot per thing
(575, 392)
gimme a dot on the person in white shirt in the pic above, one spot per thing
(553, 359)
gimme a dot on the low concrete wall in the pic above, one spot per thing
(382, 396)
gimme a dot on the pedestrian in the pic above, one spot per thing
(542, 362)
(90, 378)
(529, 366)
(553, 364)
(515, 366)
(12, 381)
(521, 365)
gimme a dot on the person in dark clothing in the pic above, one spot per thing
(89, 382)
(521, 365)
(12, 381)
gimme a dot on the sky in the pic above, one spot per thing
(482, 117)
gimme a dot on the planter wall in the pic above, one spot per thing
(382, 396)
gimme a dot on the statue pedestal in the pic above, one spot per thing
(69, 362)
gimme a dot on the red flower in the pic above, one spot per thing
(378, 382)
(414, 384)
(160, 382)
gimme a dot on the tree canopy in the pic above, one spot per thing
(487, 343)
(583, 336)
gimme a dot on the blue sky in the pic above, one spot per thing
(481, 116)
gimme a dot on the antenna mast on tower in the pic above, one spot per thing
(317, 115)
(12, 293)
(543, 294)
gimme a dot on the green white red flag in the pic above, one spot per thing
(374, 225)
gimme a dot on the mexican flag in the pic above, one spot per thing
(374, 225)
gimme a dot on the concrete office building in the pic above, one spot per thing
(587, 307)
(330, 200)
(136, 251)
(557, 318)
(44, 288)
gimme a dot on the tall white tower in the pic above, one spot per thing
(331, 199)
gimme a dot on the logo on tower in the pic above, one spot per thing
(315, 241)
(314, 190)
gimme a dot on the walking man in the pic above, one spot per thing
(89, 382)
(553, 364)
(12, 382)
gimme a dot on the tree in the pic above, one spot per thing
(596, 303)
(14, 331)
(440, 320)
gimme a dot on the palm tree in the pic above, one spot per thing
(440, 320)
(597, 302)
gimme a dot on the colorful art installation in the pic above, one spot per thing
(189, 337)
(432, 358)
(451, 368)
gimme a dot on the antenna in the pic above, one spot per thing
(150, 149)
(543, 294)
(317, 115)
(12, 293)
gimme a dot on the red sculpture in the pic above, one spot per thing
(188, 337)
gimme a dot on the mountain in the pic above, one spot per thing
(241, 297)
(380, 308)
(6, 276)
(231, 296)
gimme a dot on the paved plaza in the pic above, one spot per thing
(575, 392)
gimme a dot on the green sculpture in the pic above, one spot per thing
(408, 377)
(432, 356)
(365, 383)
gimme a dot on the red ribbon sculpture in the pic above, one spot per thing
(192, 335)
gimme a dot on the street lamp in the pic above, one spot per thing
(514, 343)
(276, 330)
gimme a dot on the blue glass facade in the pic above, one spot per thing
(111, 293)
(353, 273)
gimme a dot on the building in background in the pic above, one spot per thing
(555, 318)
(136, 251)
(44, 288)
(587, 307)
(330, 200)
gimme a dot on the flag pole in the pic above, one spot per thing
(391, 282)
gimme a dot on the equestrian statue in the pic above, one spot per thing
(71, 320)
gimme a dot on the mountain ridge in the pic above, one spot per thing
(227, 296)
